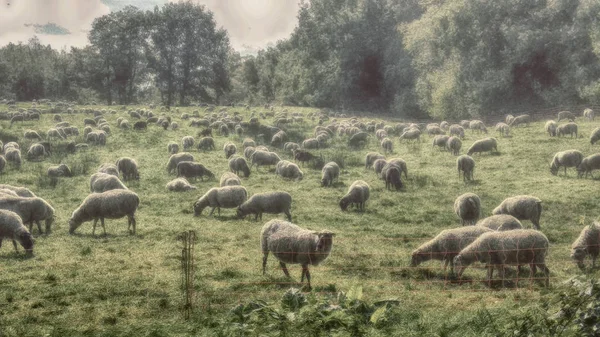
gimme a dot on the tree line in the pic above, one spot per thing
(415, 58)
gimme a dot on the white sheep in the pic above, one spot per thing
(230, 179)
(457, 130)
(20, 191)
(588, 243)
(292, 244)
(520, 120)
(595, 136)
(172, 147)
(262, 158)
(230, 149)
(238, 164)
(269, 202)
(36, 151)
(176, 158)
(588, 114)
(371, 157)
(566, 115)
(466, 164)
(102, 182)
(387, 145)
(180, 185)
(11, 227)
(330, 173)
(378, 166)
(440, 141)
(206, 144)
(588, 164)
(483, 145)
(113, 204)
(551, 127)
(61, 170)
(128, 167)
(287, 169)
(187, 142)
(569, 158)
(500, 222)
(468, 208)
(567, 129)
(522, 207)
(32, 210)
(454, 144)
(217, 197)
(358, 194)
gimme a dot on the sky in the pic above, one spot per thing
(252, 24)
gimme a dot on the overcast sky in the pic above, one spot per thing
(65, 23)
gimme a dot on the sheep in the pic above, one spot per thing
(13, 156)
(329, 173)
(588, 114)
(411, 134)
(503, 129)
(174, 126)
(128, 167)
(292, 244)
(588, 243)
(567, 129)
(189, 169)
(477, 125)
(551, 127)
(291, 146)
(498, 249)
(180, 185)
(522, 119)
(176, 158)
(595, 136)
(102, 182)
(466, 164)
(440, 141)
(399, 163)
(20, 191)
(287, 169)
(248, 142)
(387, 145)
(217, 197)
(11, 227)
(378, 166)
(230, 149)
(61, 170)
(270, 203)
(238, 164)
(446, 245)
(454, 144)
(358, 138)
(278, 139)
(392, 178)
(310, 143)
(588, 164)
(509, 119)
(260, 157)
(2, 163)
(229, 179)
(187, 142)
(140, 125)
(500, 222)
(522, 207)
(468, 208)
(32, 135)
(358, 194)
(109, 168)
(31, 210)
(566, 115)
(36, 152)
(457, 130)
(483, 145)
(172, 147)
(53, 133)
(569, 158)
(113, 204)
(434, 129)
(206, 144)
(302, 156)
(10, 145)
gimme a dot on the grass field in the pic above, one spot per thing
(122, 285)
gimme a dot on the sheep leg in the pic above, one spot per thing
(212, 211)
(94, 227)
(256, 217)
(265, 256)
(103, 227)
(287, 213)
(284, 268)
(15, 244)
(39, 225)
(490, 273)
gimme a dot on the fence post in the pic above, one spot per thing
(187, 272)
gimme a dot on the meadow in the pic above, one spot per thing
(130, 285)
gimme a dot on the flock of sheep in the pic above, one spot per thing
(497, 241)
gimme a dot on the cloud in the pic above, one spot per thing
(116, 5)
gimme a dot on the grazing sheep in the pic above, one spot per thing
(31, 209)
(8, 192)
(440, 141)
(172, 147)
(187, 142)
(569, 158)
(102, 182)
(392, 178)
(32, 135)
(500, 222)
(509, 119)
(302, 156)
(113, 204)
(457, 130)
(588, 164)
(238, 164)
(248, 142)
(2, 163)
(174, 126)
(483, 145)
(270, 203)
(567, 129)
(292, 244)
(399, 163)
(358, 138)
(329, 173)
(588, 243)
(522, 207)
(109, 168)
(248, 152)
(20, 191)
(206, 144)
(477, 125)
(551, 127)
(566, 115)
(454, 144)
(446, 245)
(61, 170)
(358, 194)
(11, 145)
(278, 139)
(498, 249)
(53, 133)
(387, 145)
(378, 166)
(11, 227)
(287, 169)
(310, 143)
(468, 208)
(291, 147)
(411, 134)
(140, 125)
(230, 179)
(189, 169)
(595, 136)
(13, 156)
(217, 197)
(176, 158)
(588, 114)
(434, 129)
(263, 158)
(230, 149)
(503, 129)
(520, 120)
(466, 164)
(180, 185)
(128, 167)
(36, 152)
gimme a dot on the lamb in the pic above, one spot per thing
(230, 149)
(358, 194)
(440, 141)
(466, 164)
(128, 167)
(392, 178)
(588, 243)
(569, 158)
(113, 204)
(522, 119)
(11, 227)
(292, 244)
(483, 145)
(468, 208)
(378, 166)
(588, 164)
(36, 152)
(176, 158)
(180, 185)
(446, 245)
(20, 191)
(61, 170)
(229, 179)
(30, 210)
(189, 169)
(500, 222)
(588, 114)
(287, 169)
(206, 144)
(595, 136)
(566, 115)
(13, 156)
(270, 203)
(499, 249)
(172, 147)
(267, 158)
(522, 207)
(217, 197)
(238, 164)
(457, 130)
(567, 129)
(102, 182)
(329, 173)
(453, 144)
(551, 127)
(109, 168)
(187, 142)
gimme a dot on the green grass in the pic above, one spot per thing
(130, 285)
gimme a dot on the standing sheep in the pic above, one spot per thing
(260, 157)
(466, 164)
(217, 197)
(11, 227)
(180, 185)
(287, 169)
(567, 129)
(588, 243)
(522, 119)
(387, 145)
(457, 130)
(206, 144)
(588, 164)
(440, 141)
(102, 182)
(20, 191)
(187, 142)
(329, 173)
(378, 166)
(453, 144)
(32, 210)
(569, 158)
(358, 194)
(595, 136)
(61, 170)
(230, 149)
(230, 179)
(522, 207)
(172, 147)
(292, 244)
(588, 114)
(128, 167)
(551, 127)
(176, 158)
(270, 203)
(566, 115)
(468, 208)
(113, 204)
(500, 222)
(36, 152)
(392, 178)
(483, 145)
(189, 169)
(238, 164)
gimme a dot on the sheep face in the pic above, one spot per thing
(325, 241)
(344, 204)
(578, 254)
(198, 208)
(48, 224)
(73, 225)
(26, 241)
(417, 258)
(554, 169)
(240, 213)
